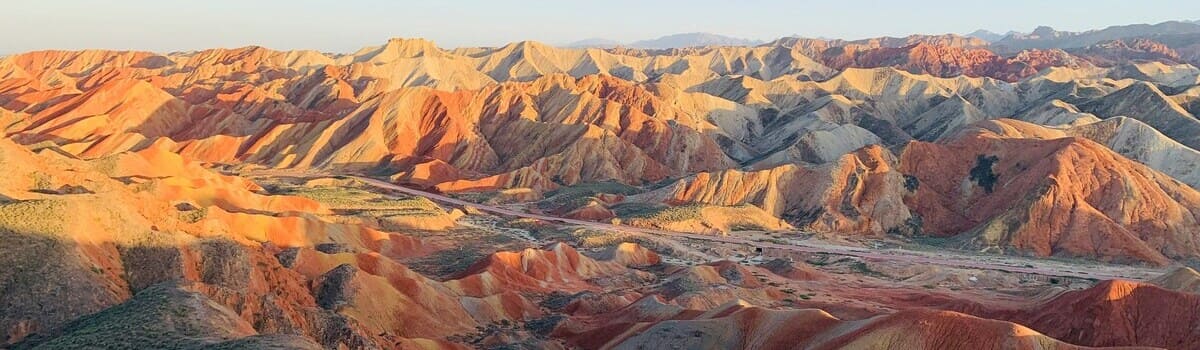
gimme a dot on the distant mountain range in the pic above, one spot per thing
(600, 43)
(1042, 37)
(669, 42)
(990, 36)
(1045, 37)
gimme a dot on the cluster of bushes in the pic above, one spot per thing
(354, 198)
(667, 213)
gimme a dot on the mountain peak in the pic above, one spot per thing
(1044, 32)
(986, 35)
(396, 48)
(410, 44)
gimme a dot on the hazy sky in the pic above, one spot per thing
(344, 26)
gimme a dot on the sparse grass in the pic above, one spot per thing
(475, 197)
(592, 189)
(862, 268)
(106, 165)
(578, 194)
(352, 199)
(449, 261)
(595, 239)
(745, 226)
(43, 217)
(669, 214)
(160, 318)
(625, 210)
(41, 181)
(194, 215)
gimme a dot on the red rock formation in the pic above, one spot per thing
(1065, 196)
(950, 61)
(650, 324)
(1119, 313)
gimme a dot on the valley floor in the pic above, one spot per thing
(773, 246)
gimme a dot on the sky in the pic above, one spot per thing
(346, 25)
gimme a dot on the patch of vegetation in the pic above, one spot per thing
(449, 261)
(982, 173)
(106, 165)
(669, 214)
(911, 183)
(593, 188)
(660, 184)
(558, 300)
(348, 198)
(911, 227)
(630, 208)
(580, 193)
(818, 260)
(543, 326)
(746, 226)
(162, 317)
(595, 239)
(42, 217)
(475, 197)
(862, 268)
(194, 215)
(41, 181)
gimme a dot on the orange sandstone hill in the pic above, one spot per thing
(1064, 196)
(186, 199)
(535, 118)
(986, 189)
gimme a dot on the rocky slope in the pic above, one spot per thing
(121, 207)
(770, 329)
(536, 118)
(1119, 312)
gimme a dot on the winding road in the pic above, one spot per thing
(1039, 267)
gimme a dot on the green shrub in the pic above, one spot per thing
(982, 172)
(669, 214)
(194, 215)
(41, 181)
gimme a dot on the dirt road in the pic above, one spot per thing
(1009, 264)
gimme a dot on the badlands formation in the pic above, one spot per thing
(1038, 191)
